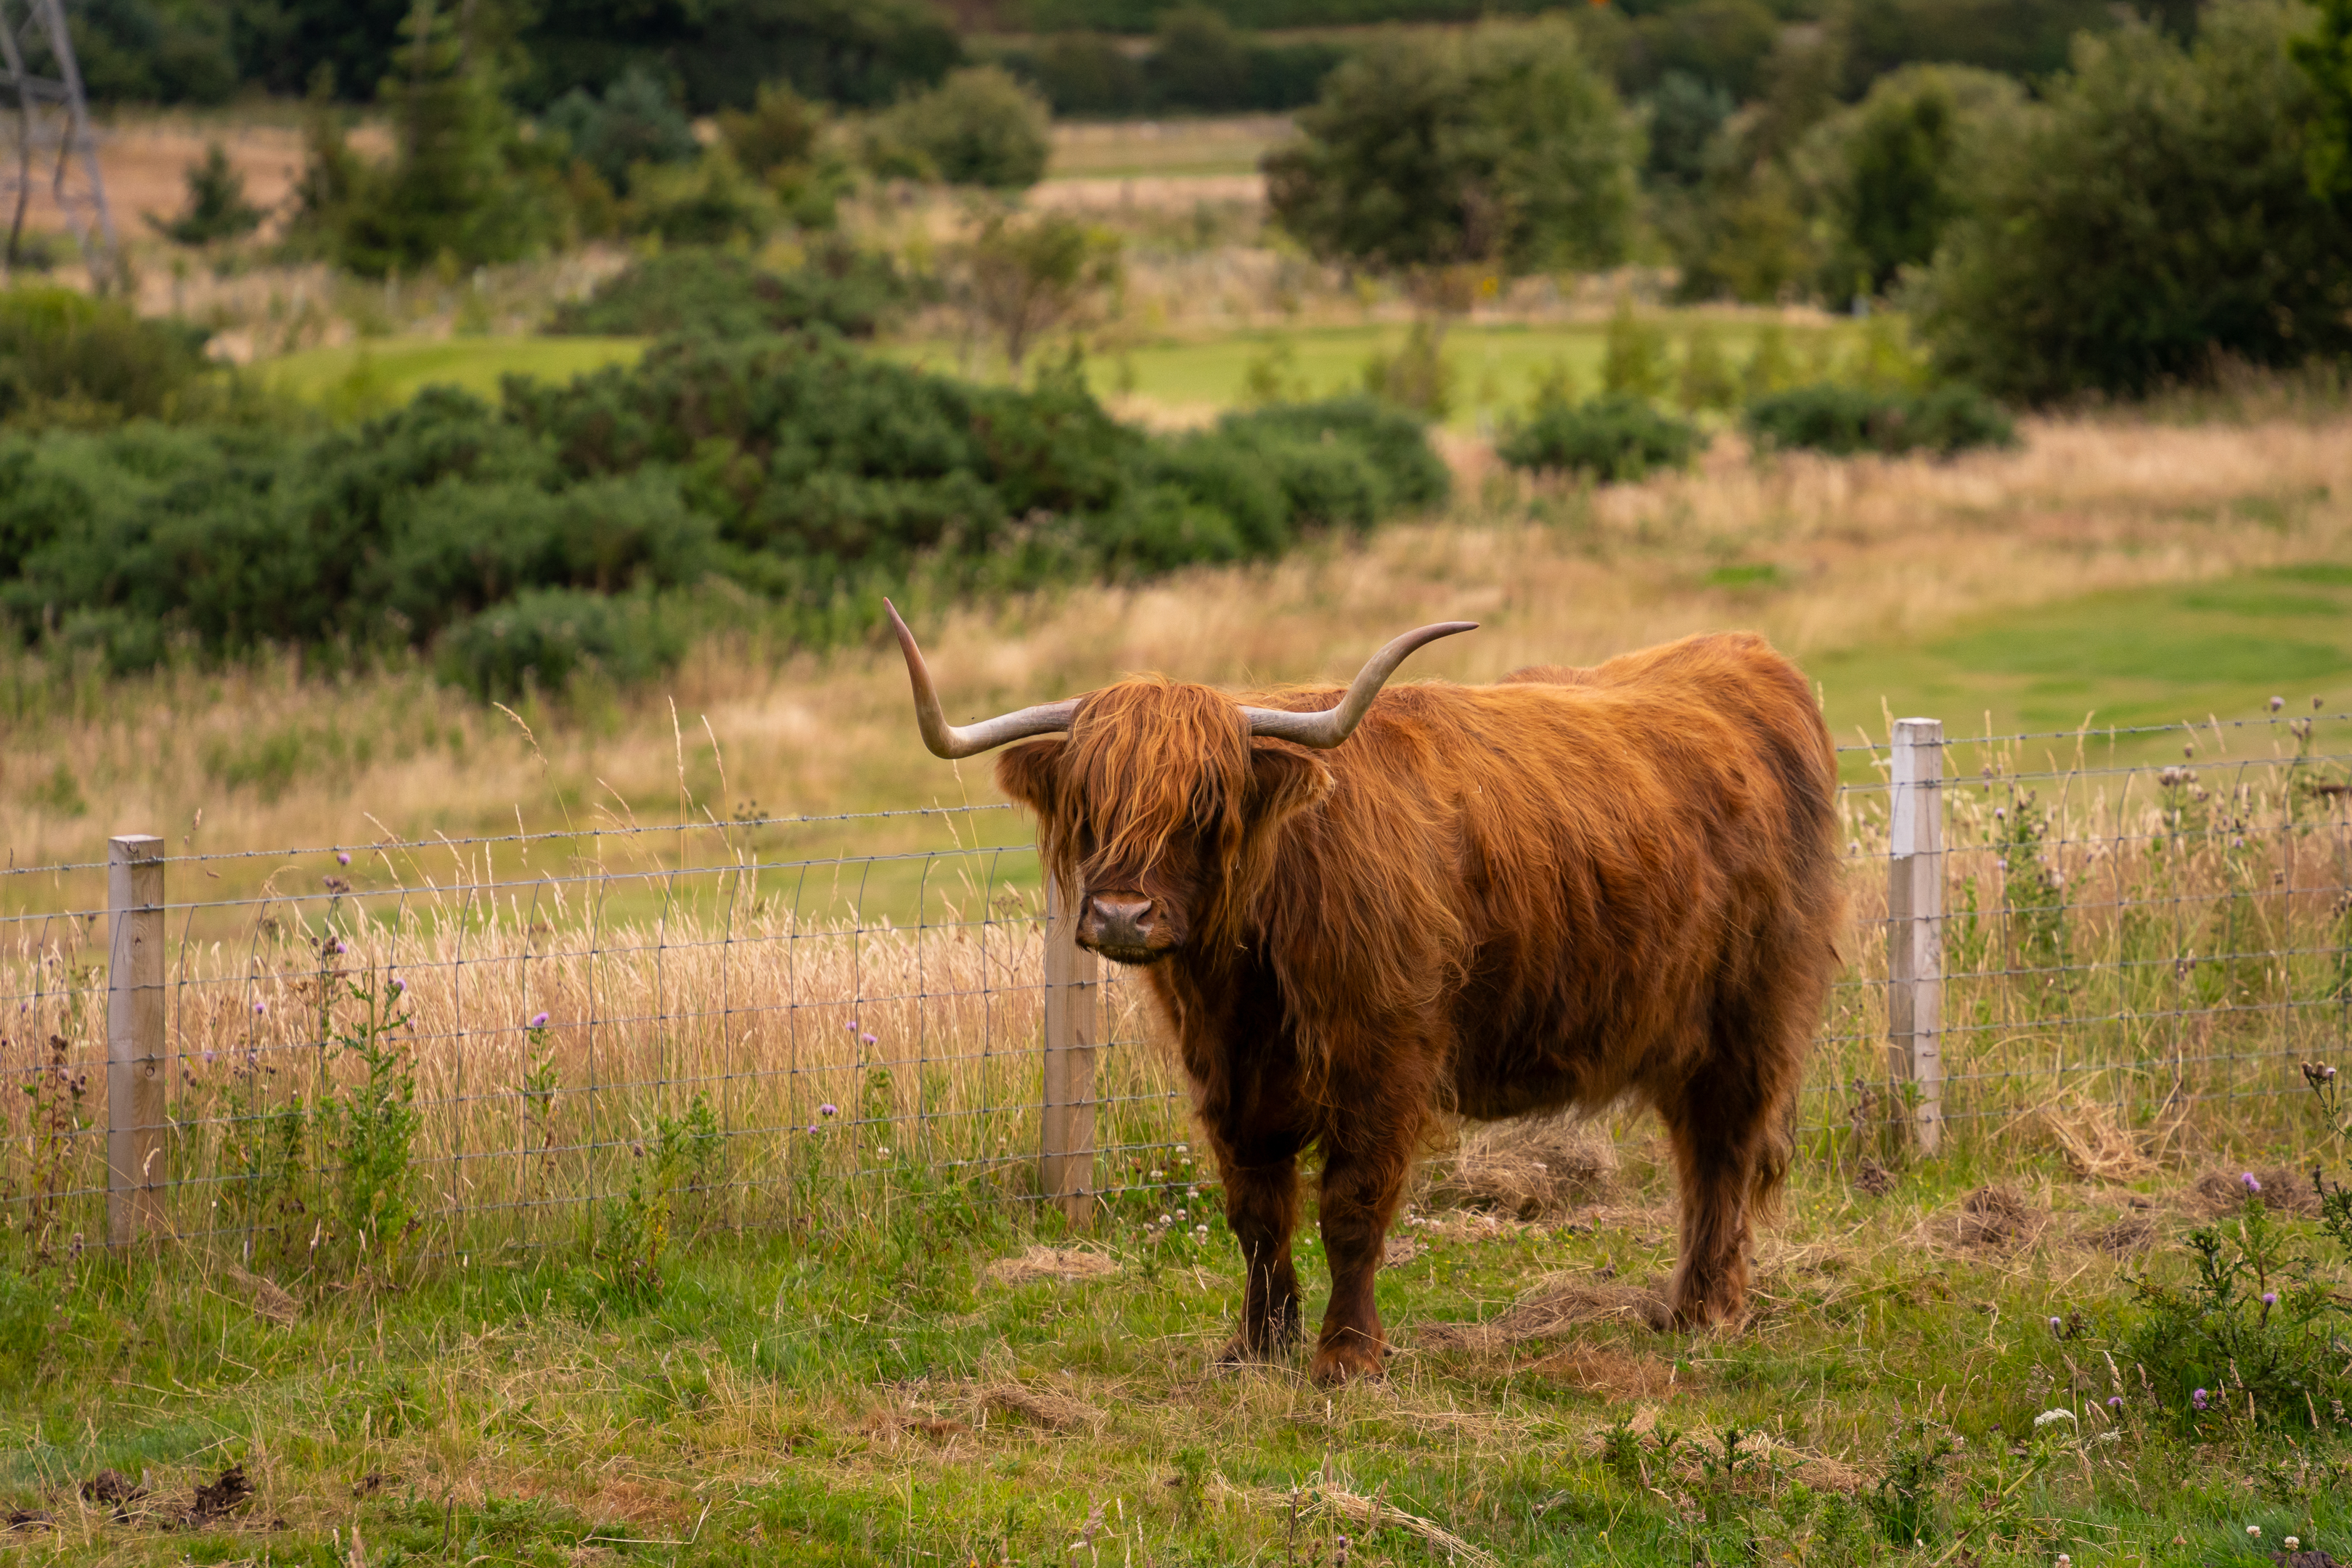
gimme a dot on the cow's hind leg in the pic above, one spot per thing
(1728, 1153)
(1261, 1181)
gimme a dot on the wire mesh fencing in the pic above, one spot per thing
(2131, 927)
(530, 1038)
(506, 1040)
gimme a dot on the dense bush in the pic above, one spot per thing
(980, 127)
(65, 358)
(2153, 213)
(1616, 438)
(583, 525)
(724, 295)
(634, 121)
(1500, 148)
(1844, 420)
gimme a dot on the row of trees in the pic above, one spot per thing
(2159, 203)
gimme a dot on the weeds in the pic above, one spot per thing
(367, 1128)
(675, 1166)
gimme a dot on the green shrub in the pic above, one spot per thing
(980, 127)
(853, 292)
(634, 122)
(1844, 420)
(2153, 213)
(785, 480)
(778, 132)
(1615, 438)
(709, 202)
(1417, 377)
(65, 358)
(544, 637)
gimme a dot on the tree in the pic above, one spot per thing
(635, 121)
(217, 206)
(1025, 277)
(779, 131)
(979, 127)
(2156, 213)
(459, 183)
(1501, 150)
(1886, 173)
(862, 53)
(2324, 54)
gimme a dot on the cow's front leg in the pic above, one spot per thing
(1363, 1179)
(1261, 1181)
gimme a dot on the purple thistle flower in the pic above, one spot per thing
(812, 1126)
(2252, 1184)
(539, 1020)
(342, 856)
(2277, 703)
(2114, 1402)
(398, 984)
(2196, 1400)
(867, 1039)
(259, 1008)
(828, 1110)
(2270, 1297)
(2056, 1326)
(851, 1026)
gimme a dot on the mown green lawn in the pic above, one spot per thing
(2152, 656)
(870, 1395)
(1496, 367)
(380, 374)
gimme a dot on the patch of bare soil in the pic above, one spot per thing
(1875, 1179)
(2284, 1191)
(213, 1502)
(1530, 1168)
(1557, 1303)
(1066, 1264)
(1597, 1369)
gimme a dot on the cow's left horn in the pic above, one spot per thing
(950, 740)
(1325, 729)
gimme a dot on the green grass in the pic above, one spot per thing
(1496, 367)
(828, 1400)
(374, 375)
(2151, 656)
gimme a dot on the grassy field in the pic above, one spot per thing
(373, 376)
(897, 1395)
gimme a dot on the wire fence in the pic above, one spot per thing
(519, 1040)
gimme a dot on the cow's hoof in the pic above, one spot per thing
(1343, 1363)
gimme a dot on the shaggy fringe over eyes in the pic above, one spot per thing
(1148, 758)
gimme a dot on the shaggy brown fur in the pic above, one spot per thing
(1572, 886)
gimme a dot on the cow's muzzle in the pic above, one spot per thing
(1125, 927)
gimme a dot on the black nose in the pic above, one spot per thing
(1117, 922)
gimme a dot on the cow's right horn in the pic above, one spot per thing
(1327, 729)
(952, 741)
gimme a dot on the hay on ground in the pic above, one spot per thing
(1322, 1497)
(267, 1298)
(2286, 1190)
(1066, 1264)
(1598, 1369)
(1041, 1407)
(1556, 1304)
(2096, 1146)
(1528, 1168)
(1997, 1216)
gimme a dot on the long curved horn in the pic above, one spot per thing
(1325, 729)
(950, 740)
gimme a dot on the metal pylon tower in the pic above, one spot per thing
(45, 134)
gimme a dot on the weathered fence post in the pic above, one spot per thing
(1914, 924)
(134, 1038)
(1067, 1162)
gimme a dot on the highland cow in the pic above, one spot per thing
(1570, 889)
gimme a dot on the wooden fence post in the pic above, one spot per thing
(1067, 1162)
(1915, 924)
(134, 1038)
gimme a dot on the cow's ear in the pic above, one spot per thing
(1283, 783)
(1030, 774)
